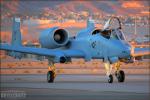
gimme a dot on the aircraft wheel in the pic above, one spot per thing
(50, 76)
(110, 80)
(120, 76)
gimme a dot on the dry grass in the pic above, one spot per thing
(26, 72)
(39, 71)
(60, 71)
(78, 67)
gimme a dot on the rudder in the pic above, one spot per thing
(16, 38)
(16, 33)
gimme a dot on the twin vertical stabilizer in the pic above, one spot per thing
(16, 38)
(16, 34)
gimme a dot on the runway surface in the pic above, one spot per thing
(76, 87)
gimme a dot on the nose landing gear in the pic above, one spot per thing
(110, 80)
(108, 69)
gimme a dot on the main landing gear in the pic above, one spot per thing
(120, 75)
(51, 73)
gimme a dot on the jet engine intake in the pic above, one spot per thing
(53, 38)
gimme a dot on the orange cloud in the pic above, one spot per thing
(5, 36)
(65, 25)
(132, 4)
(145, 12)
(10, 5)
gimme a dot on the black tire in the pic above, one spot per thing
(50, 76)
(120, 76)
(110, 80)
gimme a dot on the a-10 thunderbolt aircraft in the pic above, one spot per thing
(108, 44)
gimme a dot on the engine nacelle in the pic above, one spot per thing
(53, 38)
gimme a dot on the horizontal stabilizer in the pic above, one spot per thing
(141, 52)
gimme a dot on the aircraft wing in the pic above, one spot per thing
(43, 51)
(141, 52)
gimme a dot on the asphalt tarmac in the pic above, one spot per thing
(74, 87)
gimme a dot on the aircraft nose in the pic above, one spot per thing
(127, 51)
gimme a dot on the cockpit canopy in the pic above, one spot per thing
(113, 34)
(117, 34)
(112, 29)
(110, 34)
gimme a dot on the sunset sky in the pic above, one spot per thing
(61, 8)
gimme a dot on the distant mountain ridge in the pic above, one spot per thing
(56, 7)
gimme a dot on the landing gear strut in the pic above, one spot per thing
(120, 75)
(51, 73)
(108, 69)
